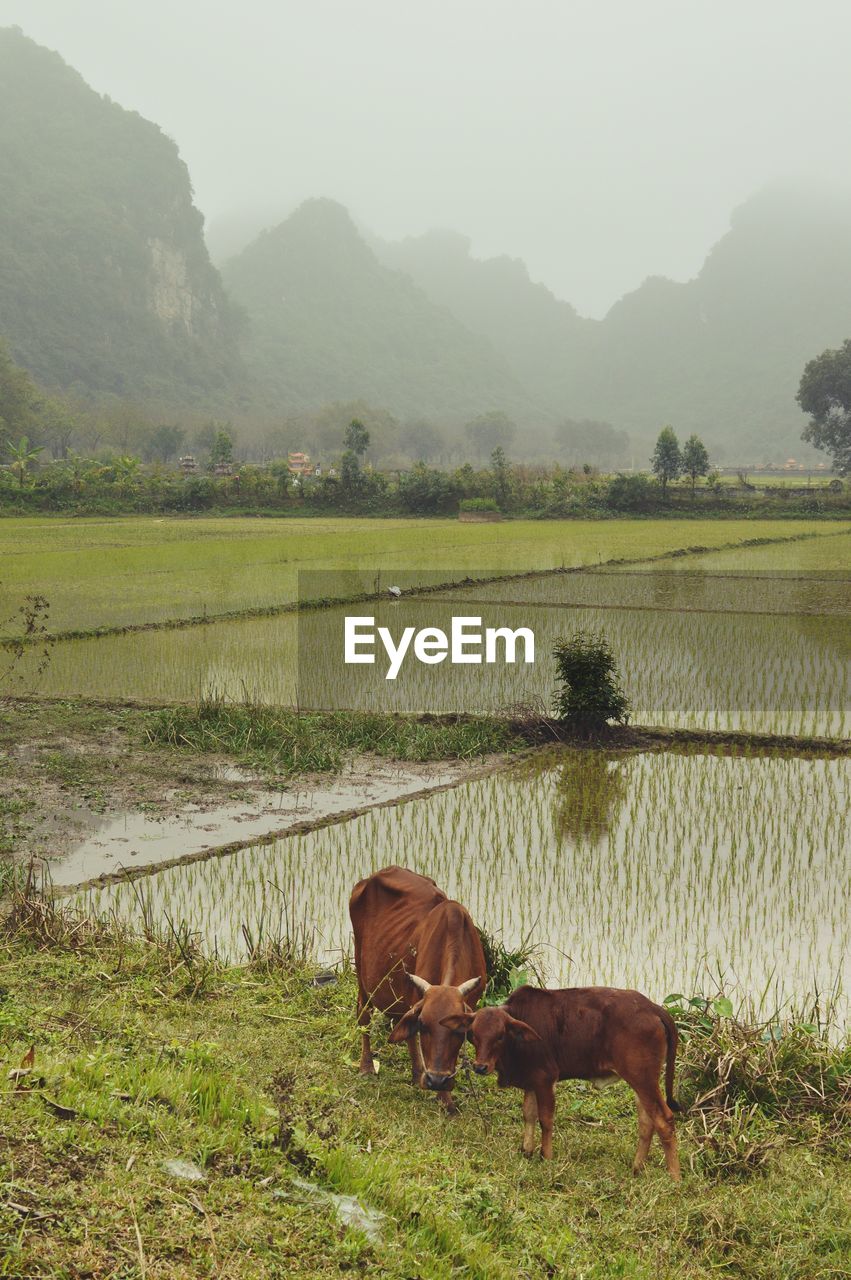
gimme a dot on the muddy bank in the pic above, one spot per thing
(84, 791)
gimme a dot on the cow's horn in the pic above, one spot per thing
(420, 983)
(466, 987)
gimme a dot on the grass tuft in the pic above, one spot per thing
(284, 742)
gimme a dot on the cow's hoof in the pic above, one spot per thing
(527, 1153)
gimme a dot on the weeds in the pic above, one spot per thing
(286, 742)
(755, 1087)
(508, 969)
(34, 915)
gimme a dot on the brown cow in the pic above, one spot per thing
(581, 1033)
(403, 922)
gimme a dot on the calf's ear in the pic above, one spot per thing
(522, 1031)
(406, 1026)
(458, 1021)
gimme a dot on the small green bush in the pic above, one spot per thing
(588, 695)
(478, 504)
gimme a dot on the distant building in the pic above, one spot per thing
(187, 464)
(299, 464)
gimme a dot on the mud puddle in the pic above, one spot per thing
(115, 842)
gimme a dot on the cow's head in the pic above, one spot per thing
(440, 1043)
(492, 1031)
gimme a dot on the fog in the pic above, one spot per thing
(599, 140)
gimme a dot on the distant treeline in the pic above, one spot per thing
(125, 485)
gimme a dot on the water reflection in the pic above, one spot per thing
(666, 872)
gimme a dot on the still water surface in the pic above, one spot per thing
(668, 872)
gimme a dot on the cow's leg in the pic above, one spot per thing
(545, 1096)
(417, 1063)
(646, 1129)
(530, 1120)
(367, 1067)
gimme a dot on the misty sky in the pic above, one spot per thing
(600, 140)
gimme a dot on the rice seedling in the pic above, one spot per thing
(766, 654)
(98, 572)
(661, 871)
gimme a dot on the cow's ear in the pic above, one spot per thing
(522, 1031)
(407, 1026)
(458, 1022)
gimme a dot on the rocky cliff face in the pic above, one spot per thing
(105, 281)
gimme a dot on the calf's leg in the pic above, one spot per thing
(646, 1129)
(545, 1096)
(651, 1102)
(530, 1120)
(664, 1122)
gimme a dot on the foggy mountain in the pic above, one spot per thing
(542, 339)
(105, 280)
(327, 321)
(723, 354)
(106, 286)
(720, 355)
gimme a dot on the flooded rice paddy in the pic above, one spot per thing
(765, 653)
(668, 872)
(101, 571)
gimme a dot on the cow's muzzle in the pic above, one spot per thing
(481, 1068)
(433, 1080)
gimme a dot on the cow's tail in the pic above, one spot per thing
(672, 1036)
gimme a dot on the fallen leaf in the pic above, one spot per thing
(29, 1057)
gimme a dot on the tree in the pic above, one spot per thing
(333, 420)
(695, 459)
(667, 460)
(18, 395)
(825, 394)
(490, 431)
(59, 423)
(587, 440)
(421, 440)
(22, 454)
(356, 438)
(588, 695)
(355, 443)
(166, 441)
(501, 477)
(221, 450)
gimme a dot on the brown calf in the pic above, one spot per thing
(581, 1033)
(417, 956)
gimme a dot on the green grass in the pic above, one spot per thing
(286, 742)
(125, 571)
(254, 1080)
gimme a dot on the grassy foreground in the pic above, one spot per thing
(124, 1056)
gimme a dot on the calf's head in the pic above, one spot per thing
(440, 1042)
(492, 1031)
